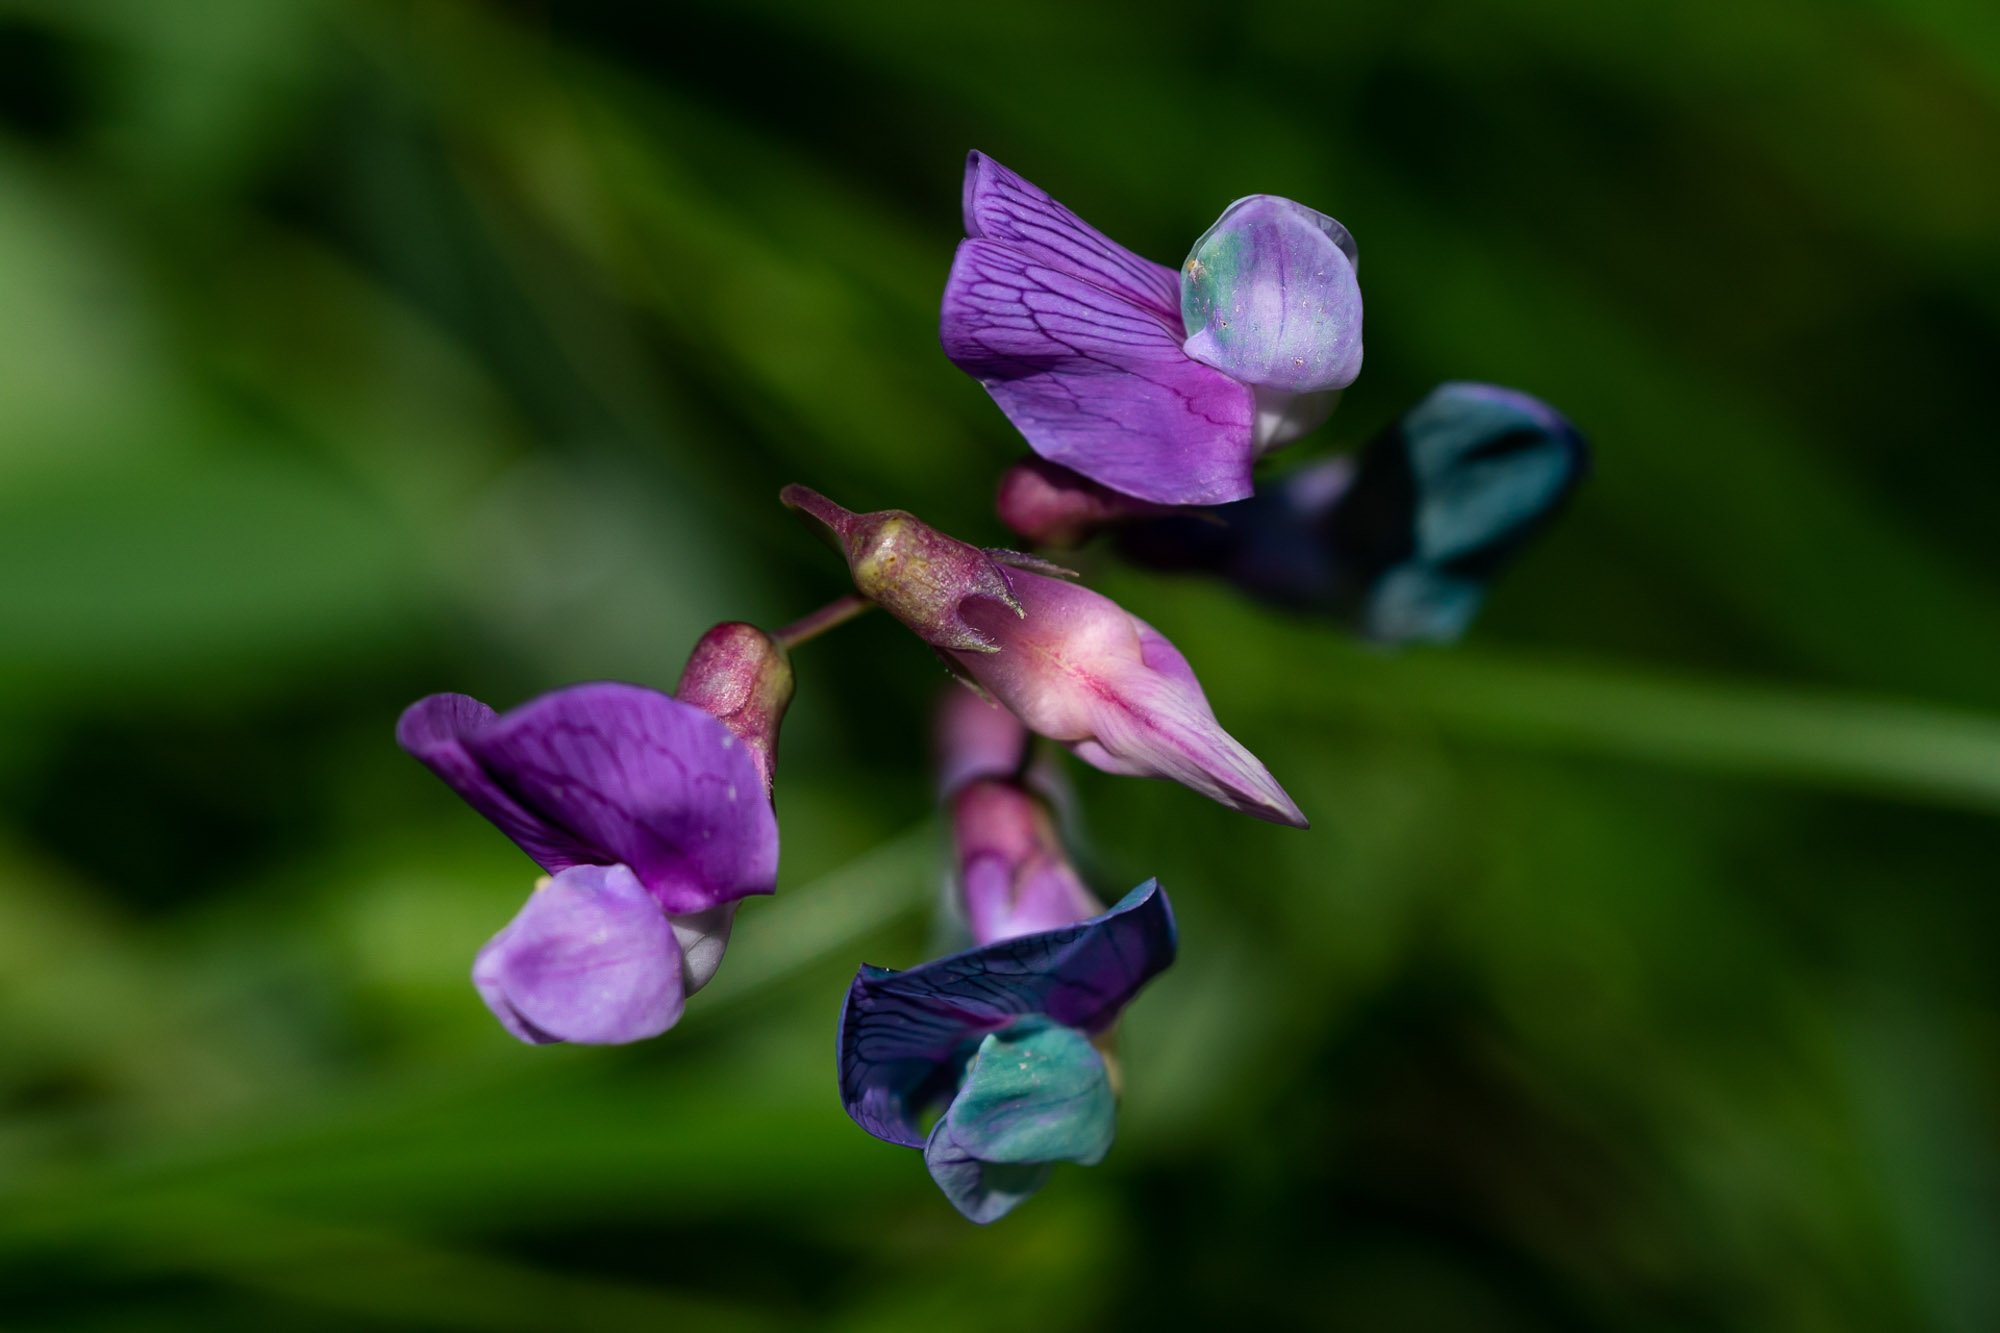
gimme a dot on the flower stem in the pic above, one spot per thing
(834, 614)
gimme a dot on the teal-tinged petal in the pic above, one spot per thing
(1036, 1092)
(1033, 1094)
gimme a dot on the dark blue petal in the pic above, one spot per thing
(1403, 543)
(905, 1036)
(1444, 501)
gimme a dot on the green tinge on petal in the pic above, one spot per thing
(1208, 280)
(1269, 297)
(1035, 1092)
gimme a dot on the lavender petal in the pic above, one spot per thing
(590, 958)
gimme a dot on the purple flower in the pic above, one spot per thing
(1011, 872)
(1000, 1036)
(651, 816)
(1160, 385)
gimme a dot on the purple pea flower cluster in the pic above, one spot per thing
(1148, 396)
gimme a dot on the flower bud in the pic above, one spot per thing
(1050, 505)
(976, 738)
(742, 677)
(1269, 297)
(1013, 876)
(914, 572)
(1081, 670)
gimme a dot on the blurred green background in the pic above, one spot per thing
(1637, 973)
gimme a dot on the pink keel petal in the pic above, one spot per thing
(1150, 725)
(1081, 670)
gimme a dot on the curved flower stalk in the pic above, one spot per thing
(1070, 663)
(1403, 542)
(1160, 385)
(652, 817)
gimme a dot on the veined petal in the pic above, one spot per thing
(905, 1036)
(1034, 1093)
(434, 729)
(1000, 206)
(652, 783)
(1096, 382)
(590, 958)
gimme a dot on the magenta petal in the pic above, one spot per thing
(1096, 382)
(435, 729)
(1152, 725)
(590, 958)
(1081, 670)
(1000, 206)
(651, 782)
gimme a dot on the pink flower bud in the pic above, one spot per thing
(976, 738)
(1079, 669)
(914, 572)
(1013, 877)
(1050, 505)
(741, 676)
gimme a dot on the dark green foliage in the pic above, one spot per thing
(1636, 974)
